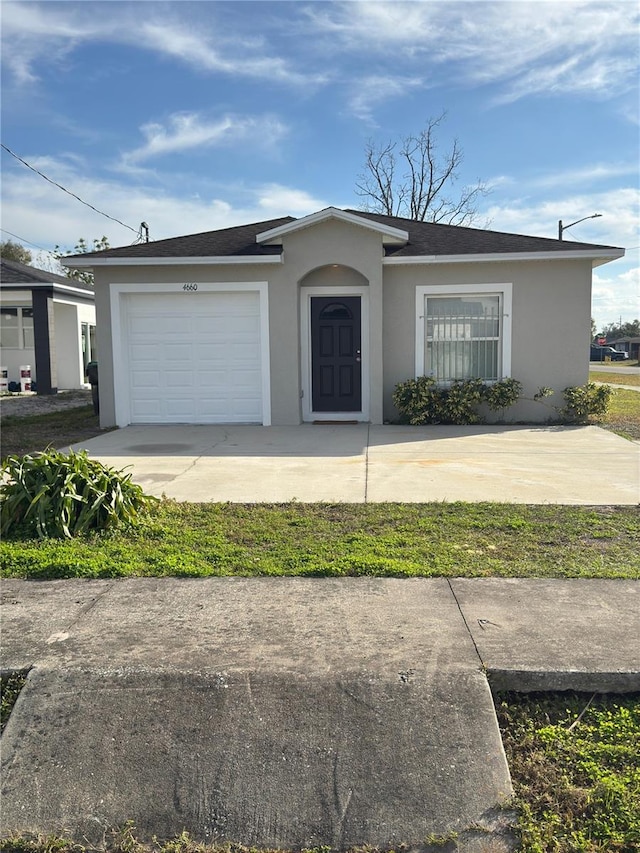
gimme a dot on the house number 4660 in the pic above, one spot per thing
(190, 286)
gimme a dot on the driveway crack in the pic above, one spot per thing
(466, 625)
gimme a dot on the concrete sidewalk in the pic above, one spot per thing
(290, 712)
(363, 463)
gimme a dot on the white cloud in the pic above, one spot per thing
(586, 175)
(34, 32)
(43, 214)
(191, 130)
(615, 285)
(275, 200)
(368, 92)
(579, 46)
(615, 296)
(618, 225)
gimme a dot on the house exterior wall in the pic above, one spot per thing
(315, 256)
(550, 324)
(68, 332)
(312, 250)
(67, 344)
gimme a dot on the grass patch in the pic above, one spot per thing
(575, 770)
(614, 378)
(34, 433)
(346, 540)
(10, 687)
(623, 414)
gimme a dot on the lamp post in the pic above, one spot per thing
(562, 228)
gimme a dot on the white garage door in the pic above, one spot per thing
(194, 358)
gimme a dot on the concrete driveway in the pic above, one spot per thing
(363, 463)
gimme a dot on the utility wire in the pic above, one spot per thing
(23, 240)
(64, 189)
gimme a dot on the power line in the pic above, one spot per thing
(68, 192)
(23, 240)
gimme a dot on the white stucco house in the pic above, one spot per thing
(318, 318)
(48, 322)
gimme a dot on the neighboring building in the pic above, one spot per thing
(48, 322)
(319, 318)
(630, 345)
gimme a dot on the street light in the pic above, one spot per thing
(562, 228)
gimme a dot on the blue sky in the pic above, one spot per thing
(194, 116)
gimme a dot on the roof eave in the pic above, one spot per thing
(120, 261)
(598, 258)
(391, 236)
(47, 285)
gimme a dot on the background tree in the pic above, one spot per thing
(81, 248)
(413, 179)
(612, 331)
(11, 251)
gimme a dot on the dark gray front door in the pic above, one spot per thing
(336, 368)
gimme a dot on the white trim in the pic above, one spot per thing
(306, 294)
(29, 286)
(599, 258)
(120, 356)
(503, 289)
(91, 263)
(395, 235)
(492, 257)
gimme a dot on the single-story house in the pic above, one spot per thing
(628, 344)
(318, 318)
(48, 322)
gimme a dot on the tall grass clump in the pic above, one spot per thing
(62, 495)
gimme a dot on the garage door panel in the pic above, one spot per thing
(180, 379)
(141, 379)
(194, 360)
(149, 409)
(244, 379)
(212, 352)
(180, 409)
(177, 352)
(144, 352)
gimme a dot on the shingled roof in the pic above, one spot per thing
(433, 238)
(425, 239)
(14, 273)
(239, 240)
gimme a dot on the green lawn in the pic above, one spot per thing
(335, 540)
(32, 433)
(623, 414)
(575, 770)
(614, 378)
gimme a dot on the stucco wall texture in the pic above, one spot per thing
(550, 314)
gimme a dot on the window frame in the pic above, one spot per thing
(19, 309)
(503, 290)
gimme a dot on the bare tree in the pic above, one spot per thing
(81, 248)
(411, 178)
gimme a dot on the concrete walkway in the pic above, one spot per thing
(362, 463)
(290, 712)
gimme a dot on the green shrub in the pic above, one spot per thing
(56, 495)
(422, 401)
(584, 400)
(502, 394)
